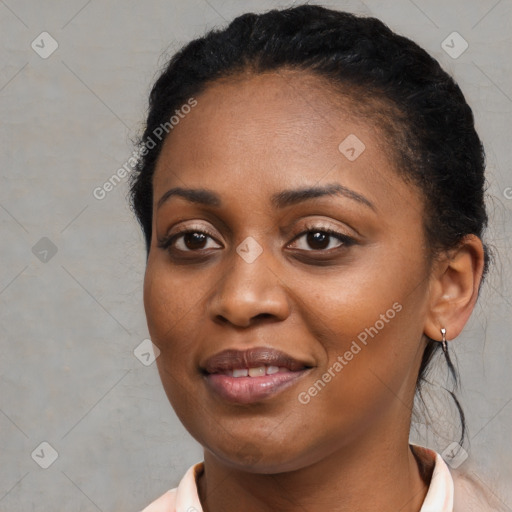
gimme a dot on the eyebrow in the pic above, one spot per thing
(280, 200)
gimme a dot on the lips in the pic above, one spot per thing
(252, 375)
(258, 357)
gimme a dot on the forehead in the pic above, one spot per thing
(263, 132)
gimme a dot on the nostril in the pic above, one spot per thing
(264, 315)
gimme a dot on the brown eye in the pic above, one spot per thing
(318, 239)
(187, 240)
(322, 239)
(194, 240)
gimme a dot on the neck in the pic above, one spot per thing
(382, 476)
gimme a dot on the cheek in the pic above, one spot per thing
(169, 307)
(171, 314)
(376, 357)
(369, 375)
(169, 302)
(370, 323)
(363, 301)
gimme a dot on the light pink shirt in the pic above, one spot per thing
(185, 498)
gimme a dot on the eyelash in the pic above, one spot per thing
(346, 241)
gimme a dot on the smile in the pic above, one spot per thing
(239, 386)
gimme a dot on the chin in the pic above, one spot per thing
(262, 459)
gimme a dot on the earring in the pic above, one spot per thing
(443, 334)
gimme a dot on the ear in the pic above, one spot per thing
(453, 290)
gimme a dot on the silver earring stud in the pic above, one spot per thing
(443, 334)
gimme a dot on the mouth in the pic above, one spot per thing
(257, 371)
(251, 375)
(252, 359)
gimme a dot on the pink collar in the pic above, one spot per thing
(439, 496)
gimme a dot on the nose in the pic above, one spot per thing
(249, 292)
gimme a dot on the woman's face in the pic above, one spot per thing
(348, 308)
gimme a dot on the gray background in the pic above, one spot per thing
(70, 321)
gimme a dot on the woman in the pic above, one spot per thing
(310, 188)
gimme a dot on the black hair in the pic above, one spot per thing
(434, 139)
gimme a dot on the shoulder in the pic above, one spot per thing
(470, 495)
(165, 503)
